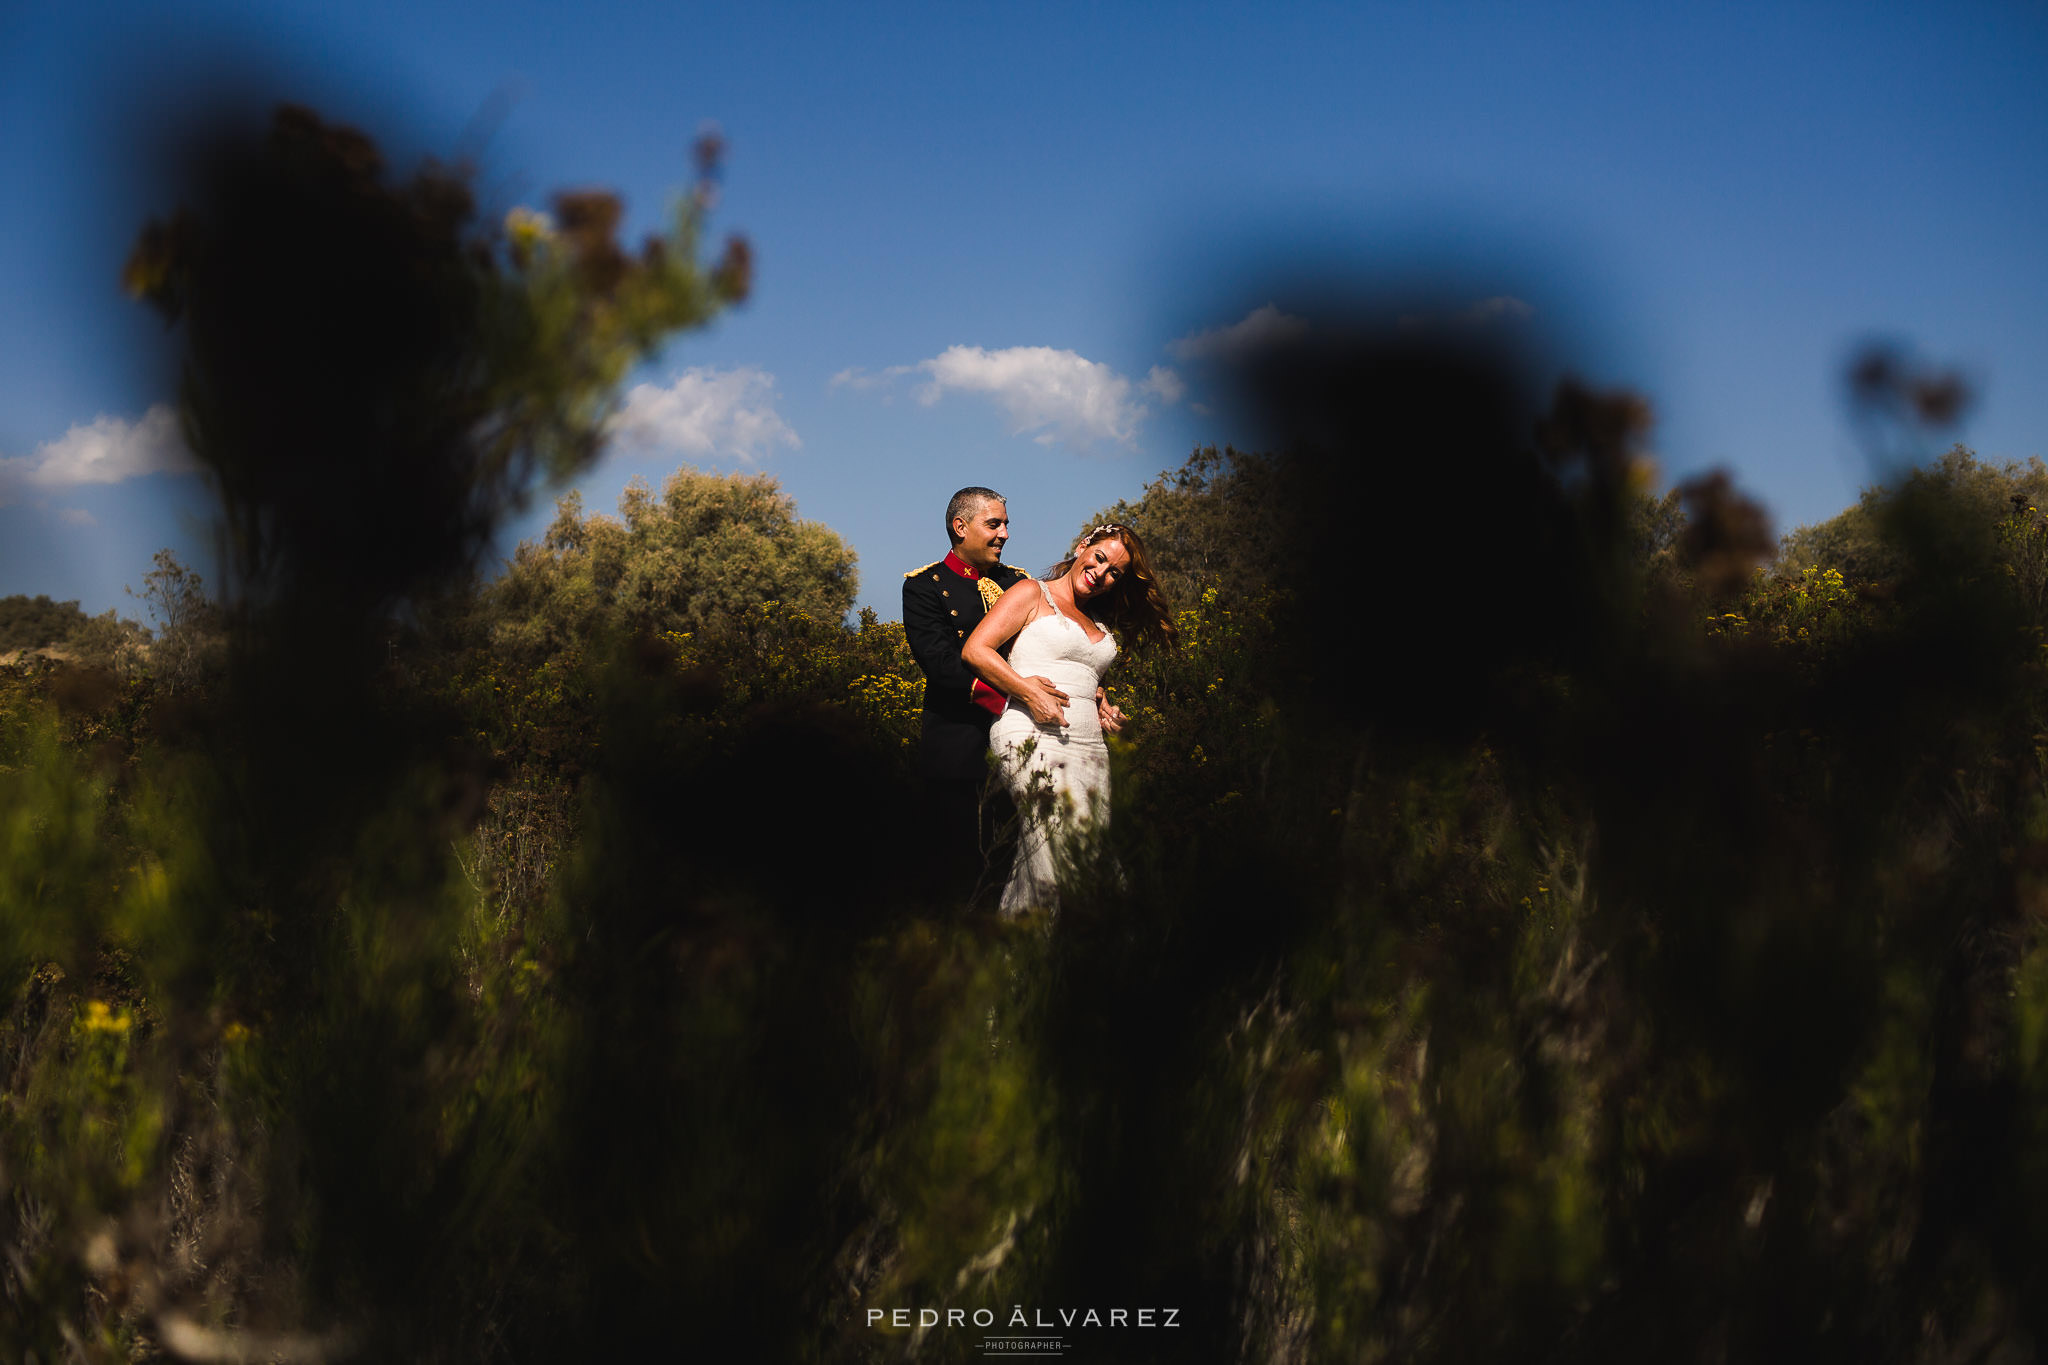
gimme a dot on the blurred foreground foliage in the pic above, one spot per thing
(1527, 930)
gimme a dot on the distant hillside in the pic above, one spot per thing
(31, 626)
(37, 622)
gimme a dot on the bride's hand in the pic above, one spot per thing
(1046, 703)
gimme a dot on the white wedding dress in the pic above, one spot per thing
(1058, 773)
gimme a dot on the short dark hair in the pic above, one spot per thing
(963, 503)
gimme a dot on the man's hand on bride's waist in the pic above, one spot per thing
(1044, 700)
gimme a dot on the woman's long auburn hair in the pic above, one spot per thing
(1134, 606)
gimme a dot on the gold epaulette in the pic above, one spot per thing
(924, 568)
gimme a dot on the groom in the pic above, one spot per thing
(942, 604)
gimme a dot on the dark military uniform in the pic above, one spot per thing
(965, 811)
(942, 604)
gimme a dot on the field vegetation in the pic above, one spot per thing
(1535, 923)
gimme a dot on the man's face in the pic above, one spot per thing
(982, 534)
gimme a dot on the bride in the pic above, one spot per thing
(1048, 745)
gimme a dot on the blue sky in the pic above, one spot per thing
(1013, 232)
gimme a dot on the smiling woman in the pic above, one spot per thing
(1050, 749)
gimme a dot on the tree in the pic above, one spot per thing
(1213, 523)
(187, 622)
(448, 362)
(1858, 541)
(707, 548)
(111, 641)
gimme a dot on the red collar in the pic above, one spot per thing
(961, 566)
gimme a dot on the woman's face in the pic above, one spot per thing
(1097, 568)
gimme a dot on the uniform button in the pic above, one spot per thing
(944, 593)
(952, 613)
(935, 578)
(961, 633)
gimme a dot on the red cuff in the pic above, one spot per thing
(987, 698)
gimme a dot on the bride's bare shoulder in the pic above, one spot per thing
(1026, 595)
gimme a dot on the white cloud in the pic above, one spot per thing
(859, 377)
(76, 516)
(104, 450)
(1166, 384)
(1057, 395)
(1263, 326)
(705, 413)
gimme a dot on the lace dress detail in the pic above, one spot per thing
(1059, 774)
